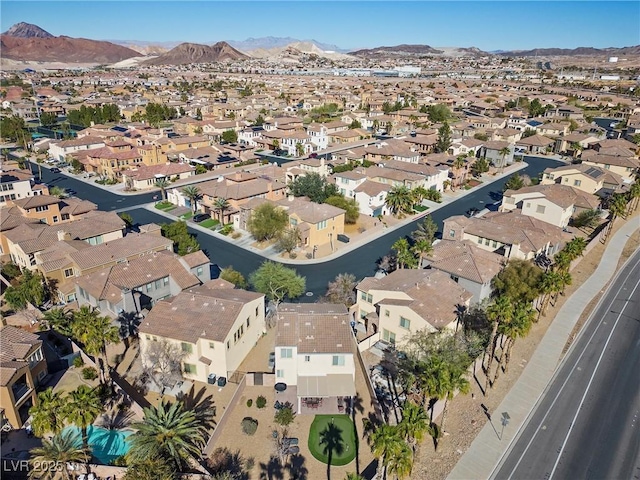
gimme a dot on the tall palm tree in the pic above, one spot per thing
(385, 440)
(576, 247)
(163, 183)
(59, 320)
(419, 194)
(420, 249)
(404, 255)
(84, 408)
(400, 461)
(518, 327)
(399, 200)
(57, 454)
(456, 382)
(47, 415)
(459, 164)
(171, 432)
(634, 196)
(221, 205)
(95, 332)
(562, 261)
(194, 195)
(501, 310)
(503, 152)
(550, 284)
(414, 424)
(617, 208)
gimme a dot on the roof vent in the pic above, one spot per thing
(205, 304)
(339, 345)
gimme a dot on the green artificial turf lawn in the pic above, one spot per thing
(346, 430)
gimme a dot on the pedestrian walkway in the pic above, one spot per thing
(487, 449)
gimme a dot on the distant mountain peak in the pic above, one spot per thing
(186, 53)
(27, 30)
(270, 42)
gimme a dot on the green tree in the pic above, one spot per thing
(400, 200)
(259, 121)
(313, 186)
(426, 230)
(194, 195)
(342, 289)
(414, 424)
(48, 119)
(221, 205)
(184, 242)
(13, 128)
(127, 219)
(349, 205)
(503, 152)
(171, 432)
(233, 276)
(83, 408)
(288, 239)
(47, 415)
(420, 249)
(456, 381)
(550, 285)
(519, 281)
(284, 417)
(355, 124)
(57, 191)
(95, 332)
(59, 320)
(230, 136)
(515, 182)
(163, 183)
(267, 222)
(586, 218)
(400, 461)
(483, 137)
(385, 442)
(57, 454)
(29, 289)
(150, 469)
(277, 282)
(438, 113)
(404, 255)
(444, 141)
(299, 149)
(499, 312)
(617, 208)
(459, 164)
(535, 108)
(518, 327)
(479, 167)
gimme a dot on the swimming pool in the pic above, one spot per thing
(106, 445)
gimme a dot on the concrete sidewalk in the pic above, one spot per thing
(486, 451)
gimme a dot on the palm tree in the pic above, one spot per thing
(456, 382)
(59, 320)
(426, 230)
(95, 332)
(404, 255)
(83, 409)
(163, 184)
(56, 191)
(400, 461)
(194, 195)
(421, 248)
(419, 194)
(399, 200)
(276, 145)
(353, 476)
(299, 149)
(634, 196)
(518, 327)
(57, 454)
(501, 310)
(414, 424)
(458, 164)
(576, 247)
(550, 284)
(385, 440)
(171, 432)
(220, 205)
(503, 152)
(47, 415)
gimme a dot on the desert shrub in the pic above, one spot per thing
(261, 402)
(89, 373)
(250, 402)
(78, 362)
(249, 425)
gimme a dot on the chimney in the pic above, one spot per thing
(62, 235)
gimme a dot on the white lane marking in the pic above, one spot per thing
(526, 449)
(595, 370)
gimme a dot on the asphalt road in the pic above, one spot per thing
(360, 262)
(587, 423)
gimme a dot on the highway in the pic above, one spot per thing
(360, 262)
(586, 425)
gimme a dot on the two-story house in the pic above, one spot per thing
(314, 354)
(22, 368)
(16, 185)
(390, 308)
(214, 325)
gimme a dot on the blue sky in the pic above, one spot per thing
(487, 25)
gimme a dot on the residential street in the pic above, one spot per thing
(361, 262)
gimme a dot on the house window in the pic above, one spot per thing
(540, 208)
(388, 336)
(186, 347)
(577, 183)
(480, 240)
(386, 313)
(528, 205)
(286, 353)
(158, 284)
(165, 280)
(293, 222)
(307, 358)
(405, 323)
(42, 208)
(321, 225)
(452, 233)
(228, 345)
(257, 311)
(212, 345)
(68, 272)
(199, 271)
(494, 244)
(190, 369)
(149, 287)
(65, 216)
(338, 361)
(486, 242)
(55, 219)
(279, 373)
(248, 322)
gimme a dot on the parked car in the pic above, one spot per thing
(200, 217)
(55, 170)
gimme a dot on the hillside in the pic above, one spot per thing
(296, 51)
(397, 50)
(186, 53)
(556, 52)
(27, 30)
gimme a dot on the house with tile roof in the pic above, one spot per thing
(554, 204)
(585, 177)
(622, 163)
(52, 210)
(471, 267)
(318, 223)
(22, 368)
(535, 144)
(214, 325)
(392, 307)
(16, 184)
(509, 234)
(314, 354)
(129, 287)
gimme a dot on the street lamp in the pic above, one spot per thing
(315, 249)
(504, 421)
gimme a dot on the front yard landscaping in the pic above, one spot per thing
(166, 206)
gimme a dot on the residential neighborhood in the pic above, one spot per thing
(297, 261)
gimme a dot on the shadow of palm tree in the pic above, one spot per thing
(296, 468)
(223, 460)
(272, 470)
(332, 442)
(116, 420)
(203, 406)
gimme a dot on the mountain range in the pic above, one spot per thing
(554, 52)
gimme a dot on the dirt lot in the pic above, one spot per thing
(466, 416)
